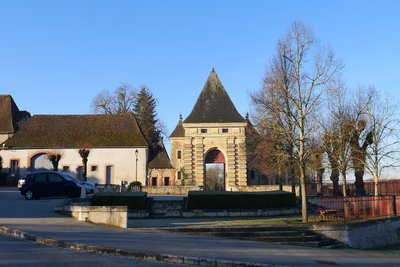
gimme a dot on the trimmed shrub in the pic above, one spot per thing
(134, 200)
(240, 200)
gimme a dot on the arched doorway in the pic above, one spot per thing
(40, 162)
(214, 171)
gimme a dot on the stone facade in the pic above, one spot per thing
(214, 126)
(193, 148)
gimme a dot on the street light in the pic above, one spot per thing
(136, 154)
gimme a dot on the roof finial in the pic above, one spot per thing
(213, 70)
(247, 116)
(180, 117)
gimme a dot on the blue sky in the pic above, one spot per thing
(56, 56)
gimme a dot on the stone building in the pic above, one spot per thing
(118, 149)
(208, 148)
(11, 118)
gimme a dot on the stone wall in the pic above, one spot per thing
(110, 215)
(364, 235)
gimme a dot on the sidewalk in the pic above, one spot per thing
(37, 218)
(205, 247)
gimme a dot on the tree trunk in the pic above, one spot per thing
(344, 184)
(304, 214)
(84, 174)
(320, 174)
(335, 182)
(376, 181)
(359, 183)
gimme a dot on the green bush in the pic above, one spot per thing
(240, 200)
(136, 200)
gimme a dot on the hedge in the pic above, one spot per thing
(240, 200)
(134, 200)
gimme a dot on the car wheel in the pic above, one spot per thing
(29, 195)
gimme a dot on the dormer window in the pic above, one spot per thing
(203, 131)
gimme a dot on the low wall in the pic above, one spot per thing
(267, 188)
(371, 234)
(110, 215)
(169, 190)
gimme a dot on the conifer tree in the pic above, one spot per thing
(145, 112)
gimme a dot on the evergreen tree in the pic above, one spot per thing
(145, 112)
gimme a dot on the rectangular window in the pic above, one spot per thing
(179, 175)
(179, 154)
(204, 131)
(14, 167)
(109, 174)
(153, 181)
(166, 181)
(225, 130)
(93, 168)
(65, 168)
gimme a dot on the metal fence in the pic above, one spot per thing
(357, 208)
(385, 187)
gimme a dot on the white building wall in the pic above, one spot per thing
(122, 160)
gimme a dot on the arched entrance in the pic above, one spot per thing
(214, 171)
(40, 162)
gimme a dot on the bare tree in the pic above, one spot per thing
(55, 158)
(316, 164)
(122, 100)
(336, 137)
(294, 83)
(331, 147)
(383, 150)
(84, 153)
(360, 135)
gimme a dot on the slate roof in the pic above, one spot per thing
(11, 118)
(214, 104)
(159, 158)
(74, 131)
(179, 131)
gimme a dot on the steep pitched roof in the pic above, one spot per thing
(179, 131)
(11, 118)
(214, 104)
(74, 131)
(159, 158)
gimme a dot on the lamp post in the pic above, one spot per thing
(136, 154)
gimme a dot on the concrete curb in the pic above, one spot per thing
(139, 255)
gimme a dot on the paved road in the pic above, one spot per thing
(37, 217)
(20, 253)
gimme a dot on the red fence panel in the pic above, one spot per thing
(385, 187)
(369, 207)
